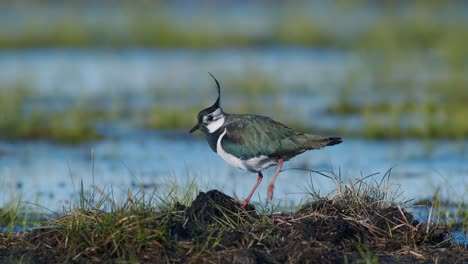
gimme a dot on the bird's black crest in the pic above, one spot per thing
(218, 88)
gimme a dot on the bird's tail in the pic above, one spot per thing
(333, 141)
(316, 142)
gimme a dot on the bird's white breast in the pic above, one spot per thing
(253, 164)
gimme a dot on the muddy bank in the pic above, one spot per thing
(215, 229)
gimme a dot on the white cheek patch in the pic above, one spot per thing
(215, 124)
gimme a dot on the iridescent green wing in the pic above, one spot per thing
(252, 136)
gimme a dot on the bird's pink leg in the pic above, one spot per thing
(259, 180)
(271, 187)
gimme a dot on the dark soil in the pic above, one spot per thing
(216, 229)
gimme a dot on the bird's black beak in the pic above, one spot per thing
(195, 128)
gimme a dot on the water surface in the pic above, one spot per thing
(49, 174)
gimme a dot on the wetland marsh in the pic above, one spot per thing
(100, 106)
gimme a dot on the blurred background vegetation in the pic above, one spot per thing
(408, 79)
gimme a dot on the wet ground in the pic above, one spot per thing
(215, 229)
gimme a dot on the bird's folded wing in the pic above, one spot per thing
(254, 136)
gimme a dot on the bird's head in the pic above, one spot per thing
(212, 118)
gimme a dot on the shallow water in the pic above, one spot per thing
(49, 175)
(309, 80)
(77, 72)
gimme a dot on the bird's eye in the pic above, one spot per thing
(210, 118)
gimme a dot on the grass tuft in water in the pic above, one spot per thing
(20, 121)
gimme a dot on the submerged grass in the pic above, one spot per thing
(153, 25)
(361, 221)
(24, 114)
(425, 119)
(453, 214)
(400, 100)
(19, 122)
(440, 113)
(15, 216)
(396, 47)
(162, 118)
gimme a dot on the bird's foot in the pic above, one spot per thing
(243, 203)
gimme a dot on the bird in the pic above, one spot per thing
(253, 142)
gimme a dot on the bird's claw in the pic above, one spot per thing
(243, 203)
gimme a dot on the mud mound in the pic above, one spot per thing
(386, 226)
(214, 206)
(333, 230)
(212, 210)
(323, 231)
(216, 229)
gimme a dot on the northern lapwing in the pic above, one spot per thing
(253, 142)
